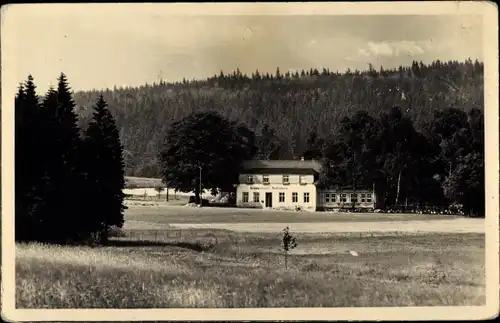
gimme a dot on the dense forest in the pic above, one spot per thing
(285, 108)
(416, 135)
(60, 168)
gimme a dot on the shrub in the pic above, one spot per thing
(289, 243)
(115, 232)
(204, 202)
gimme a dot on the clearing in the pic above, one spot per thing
(164, 213)
(159, 263)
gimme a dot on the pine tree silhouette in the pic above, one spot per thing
(104, 171)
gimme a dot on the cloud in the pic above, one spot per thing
(408, 48)
(380, 49)
(435, 46)
(392, 48)
(364, 52)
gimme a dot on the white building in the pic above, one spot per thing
(291, 185)
(278, 184)
(346, 198)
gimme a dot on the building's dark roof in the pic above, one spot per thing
(282, 171)
(262, 165)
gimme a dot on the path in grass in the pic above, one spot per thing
(455, 225)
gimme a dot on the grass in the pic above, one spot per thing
(142, 182)
(179, 214)
(219, 268)
(155, 201)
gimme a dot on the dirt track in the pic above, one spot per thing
(461, 225)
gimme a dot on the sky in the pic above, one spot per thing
(129, 45)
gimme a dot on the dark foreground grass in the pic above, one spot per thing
(214, 268)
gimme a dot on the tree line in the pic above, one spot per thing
(415, 134)
(282, 108)
(68, 180)
(441, 167)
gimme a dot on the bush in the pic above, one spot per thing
(204, 202)
(115, 232)
(251, 205)
(289, 243)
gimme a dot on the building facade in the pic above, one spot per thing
(345, 199)
(278, 184)
(292, 185)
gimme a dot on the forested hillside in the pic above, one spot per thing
(285, 107)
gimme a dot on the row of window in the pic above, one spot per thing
(285, 179)
(295, 197)
(332, 197)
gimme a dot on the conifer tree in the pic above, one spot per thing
(67, 179)
(27, 174)
(278, 73)
(53, 165)
(257, 75)
(21, 187)
(104, 171)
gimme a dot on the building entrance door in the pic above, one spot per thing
(269, 199)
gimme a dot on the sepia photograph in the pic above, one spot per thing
(284, 160)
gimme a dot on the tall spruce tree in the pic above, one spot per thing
(53, 165)
(22, 218)
(104, 172)
(28, 172)
(68, 180)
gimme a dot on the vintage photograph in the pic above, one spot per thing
(169, 159)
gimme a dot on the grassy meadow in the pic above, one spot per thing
(142, 182)
(141, 191)
(178, 214)
(168, 267)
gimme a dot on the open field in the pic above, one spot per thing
(155, 201)
(163, 213)
(218, 268)
(142, 190)
(157, 263)
(168, 256)
(144, 185)
(142, 182)
(457, 225)
(151, 192)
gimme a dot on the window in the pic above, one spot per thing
(295, 197)
(256, 197)
(286, 179)
(368, 198)
(333, 197)
(343, 198)
(363, 198)
(282, 197)
(354, 198)
(249, 179)
(306, 197)
(302, 179)
(265, 179)
(327, 197)
(245, 197)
